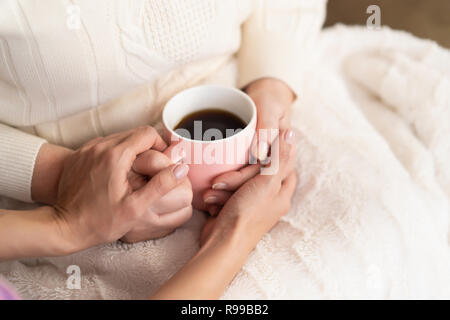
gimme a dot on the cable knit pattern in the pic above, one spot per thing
(370, 216)
(178, 29)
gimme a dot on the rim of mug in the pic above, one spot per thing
(234, 136)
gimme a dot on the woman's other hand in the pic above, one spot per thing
(258, 205)
(225, 185)
(96, 203)
(273, 100)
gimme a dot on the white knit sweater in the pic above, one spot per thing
(73, 70)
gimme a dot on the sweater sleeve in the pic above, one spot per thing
(18, 152)
(277, 38)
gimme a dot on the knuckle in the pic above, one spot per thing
(86, 149)
(272, 181)
(78, 154)
(188, 187)
(111, 156)
(161, 183)
(254, 185)
(285, 153)
(276, 184)
(154, 160)
(97, 150)
(128, 153)
(88, 145)
(83, 150)
(186, 197)
(240, 177)
(147, 130)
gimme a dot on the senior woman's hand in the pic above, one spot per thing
(96, 203)
(175, 206)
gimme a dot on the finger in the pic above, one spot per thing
(285, 121)
(282, 156)
(175, 219)
(266, 131)
(232, 180)
(129, 144)
(121, 150)
(217, 197)
(163, 182)
(150, 162)
(144, 138)
(125, 153)
(175, 152)
(177, 198)
(140, 140)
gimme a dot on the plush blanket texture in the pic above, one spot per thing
(370, 218)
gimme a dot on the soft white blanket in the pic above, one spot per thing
(370, 218)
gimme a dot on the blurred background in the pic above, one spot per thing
(424, 18)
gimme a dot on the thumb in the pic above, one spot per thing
(163, 182)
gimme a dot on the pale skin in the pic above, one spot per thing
(125, 187)
(273, 100)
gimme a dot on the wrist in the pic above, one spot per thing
(274, 86)
(59, 239)
(211, 270)
(48, 168)
(237, 236)
(32, 233)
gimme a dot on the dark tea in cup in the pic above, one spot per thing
(196, 125)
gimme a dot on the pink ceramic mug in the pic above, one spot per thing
(208, 159)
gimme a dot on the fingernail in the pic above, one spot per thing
(211, 200)
(180, 171)
(289, 136)
(263, 150)
(219, 186)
